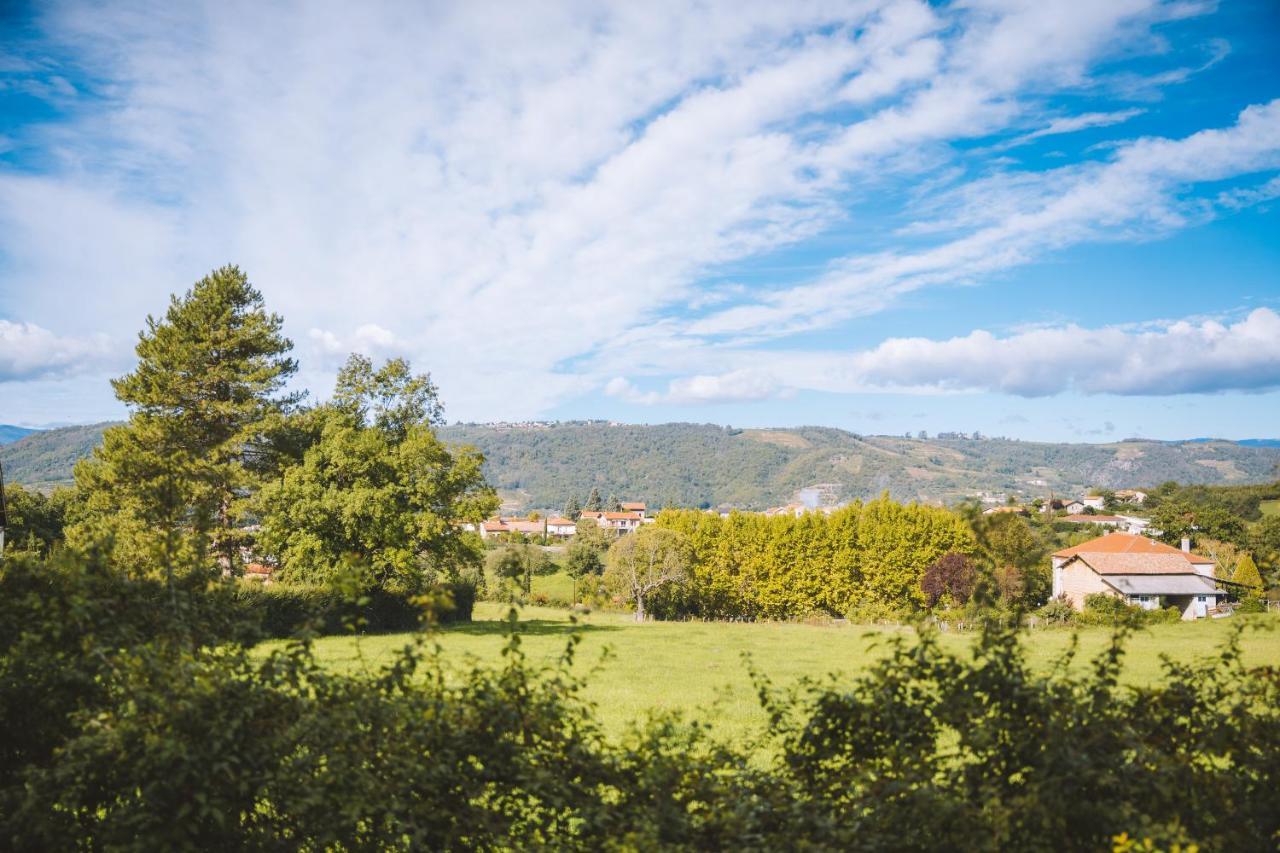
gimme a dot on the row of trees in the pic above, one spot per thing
(594, 503)
(747, 565)
(219, 459)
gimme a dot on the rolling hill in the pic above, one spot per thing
(541, 465)
(45, 458)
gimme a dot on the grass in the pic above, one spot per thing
(557, 587)
(1270, 508)
(699, 668)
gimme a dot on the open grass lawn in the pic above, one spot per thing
(698, 667)
(1270, 507)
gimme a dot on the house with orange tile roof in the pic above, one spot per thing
(1143, 572)
(561, 528)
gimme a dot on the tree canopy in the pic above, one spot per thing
(208, 385)
(377, 486)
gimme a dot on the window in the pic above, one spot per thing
(1202, 598)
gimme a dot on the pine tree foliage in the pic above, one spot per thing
(207, 389)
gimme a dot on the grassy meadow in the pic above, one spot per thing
(698, 667)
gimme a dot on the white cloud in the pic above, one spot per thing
(736, 386)
(30, 352)
(1073, 124)
(1182, 357)
(513, 196)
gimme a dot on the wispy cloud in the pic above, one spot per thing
(530, 202)
(1073, 124)
(1136, 194)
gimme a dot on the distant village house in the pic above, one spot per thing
(1144, 573)
(557, 528)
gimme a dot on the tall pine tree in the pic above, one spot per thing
(172, 482)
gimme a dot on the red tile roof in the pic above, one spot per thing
(1138, 564)
(1082, 518)
(1128, 543)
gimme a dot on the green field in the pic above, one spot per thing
(698, 667)
(1270, 508)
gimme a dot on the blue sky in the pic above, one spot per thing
(1047, 220)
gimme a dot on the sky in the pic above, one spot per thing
(1047, 220)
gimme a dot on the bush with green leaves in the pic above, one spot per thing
(1057, 612)
(125, 730)
(1251, 604)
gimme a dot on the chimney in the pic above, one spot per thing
(1186, 545)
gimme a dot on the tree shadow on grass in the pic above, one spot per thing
(525, 628)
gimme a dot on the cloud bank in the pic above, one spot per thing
(1160, 359)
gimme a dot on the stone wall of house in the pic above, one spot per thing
(1078, 580)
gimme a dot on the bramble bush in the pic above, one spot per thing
(139, 723)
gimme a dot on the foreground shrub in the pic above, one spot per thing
(283, 610)
(177, 745)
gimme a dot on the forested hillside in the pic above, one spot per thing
(708, 465)
(701, 464)
(46, 458)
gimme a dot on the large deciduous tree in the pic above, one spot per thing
(209, 384)
(377, 487)
(644, 562)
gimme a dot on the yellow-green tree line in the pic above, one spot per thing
(755, 566)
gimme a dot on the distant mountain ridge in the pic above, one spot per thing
(541, 465)
(1244, 442)
(10, 433)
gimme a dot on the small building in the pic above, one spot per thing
(1117, 521)
(623, 522)
(557, 527)
(1094, 501)
(1144, 573)
(1074, 507)
(634, 506)
(618, 522)
(561, 527)
(260, 572)
(1133, 524)
(1131, 496)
